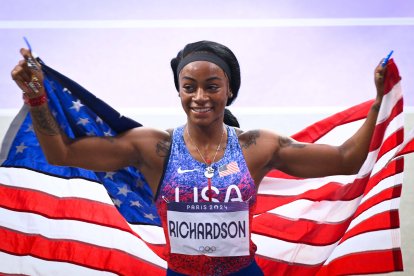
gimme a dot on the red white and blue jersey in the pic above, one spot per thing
(207, 229)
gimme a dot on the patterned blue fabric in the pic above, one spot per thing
(79, 113)
(184, 180)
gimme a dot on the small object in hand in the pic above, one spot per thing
(34, 84)
(32, 64)
(385, 61)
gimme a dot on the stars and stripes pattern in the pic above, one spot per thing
(70, 221)
(228, 169)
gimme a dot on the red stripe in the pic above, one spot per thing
(391, 142)
(379, 132)
(390, 193)
(54, 207)
(276, 267)
(299, 231)
(316, 233)
(321, 128)
(381, 221)
(392, 168)
(391, 77)
(357, 263)
(408, 148)
(364, 263)
(83, 254)
(330, 191)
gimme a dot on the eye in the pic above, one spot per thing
(213, 87)
(188, 88)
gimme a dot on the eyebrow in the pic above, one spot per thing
(209, 79)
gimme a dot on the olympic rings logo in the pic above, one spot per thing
(207, 249)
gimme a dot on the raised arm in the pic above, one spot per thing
(314, 160)
(95, 153)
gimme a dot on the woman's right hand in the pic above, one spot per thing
(28, 75)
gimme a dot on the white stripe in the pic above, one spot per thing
(205, 23)
(396, 124)
(320, 211)
(313, 255)
(291, 187)
(389, 101)
(370, 241)
(28, 265)
(149, 233)
(292, 252)
(78, 231)
(383, 161)
(369, 163)
(339, 134)
(56, 186)
(379, 208)
(384, 184)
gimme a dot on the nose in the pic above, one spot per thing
(200, 95)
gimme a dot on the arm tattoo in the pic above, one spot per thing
(287, 142)
(251, 138)
(376, 107)
(43, 121)
(162, 148)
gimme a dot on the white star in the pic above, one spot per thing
(29, 128)
(149, 216)
(83, 121)
(20, 148)
(108, 133)
(117, 202)
(136, 203)
(140, 183)
(124, 190)
(90, 133)
(67, 90)
(99, 120)
(76, 105)
(110, 175)
(54, 113)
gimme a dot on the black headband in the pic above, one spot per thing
(204, 56)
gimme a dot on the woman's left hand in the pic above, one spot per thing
(380, 71)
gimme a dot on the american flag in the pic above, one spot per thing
(228, 169)
(69, 221)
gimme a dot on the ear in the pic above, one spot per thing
(230, 94)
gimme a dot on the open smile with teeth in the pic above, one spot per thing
(201, 110)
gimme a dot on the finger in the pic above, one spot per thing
(31, 61)
(24, 71)
(18, 79)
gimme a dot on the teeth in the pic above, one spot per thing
(201, 109)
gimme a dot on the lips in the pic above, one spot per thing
(201, 110)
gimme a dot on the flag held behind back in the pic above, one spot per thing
(290, 240)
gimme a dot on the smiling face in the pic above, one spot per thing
(204, 90)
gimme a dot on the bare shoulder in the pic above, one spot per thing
(257, 137)
(248, 139)
(150, 140)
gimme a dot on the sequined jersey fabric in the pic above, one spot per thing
(184, 180)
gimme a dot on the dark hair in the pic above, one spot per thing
(229, 119)
(218, 49)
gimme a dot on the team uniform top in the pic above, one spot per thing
(207, 225)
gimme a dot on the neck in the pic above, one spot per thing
(205, 143)
(206, 135)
